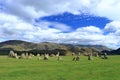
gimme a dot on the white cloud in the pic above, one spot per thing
(90, 29)
(31, 9)
(107, 8)
(18, 29)
(85, 35)
(113, 33)
(113, 26)
(54, 25)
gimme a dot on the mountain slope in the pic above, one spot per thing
(23, 45)
(97, 47)
(115, 52)
(18, 45)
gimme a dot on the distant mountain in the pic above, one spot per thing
(98, 47)
(18, 45)
(23, 45)
(115, 52)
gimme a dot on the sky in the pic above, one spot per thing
(86, 22)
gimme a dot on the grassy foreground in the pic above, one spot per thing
(32, 69)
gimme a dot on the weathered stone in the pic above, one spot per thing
(105, 56)
(76, 58)
(52, 55)
(26, 55)
(57, 54)
(79, 54)
(23, 56)
(90, 57)
(15, 55)
(38, 55)
(96, 54)
(11, 54)
(73, 54)
(46, 57)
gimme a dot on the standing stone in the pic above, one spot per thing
(26, 55)
(79, 54)
(52, 55)
(105, 56)
(74, 58)
(100, 54)
(11, 54)
(57, 54)
(90, 57)
(73, 54)
(15, 55)
(46, 57)
(77, 58)
(96, 54)
(30, 56)
(23, 56)
(58, 57)
(38, 57)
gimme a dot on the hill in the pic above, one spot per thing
(98, 47)
(18, 45)
(115, 52)
(23, 45)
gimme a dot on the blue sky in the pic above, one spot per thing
(87, 22)
(76, 21)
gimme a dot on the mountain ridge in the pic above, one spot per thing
(19, 45)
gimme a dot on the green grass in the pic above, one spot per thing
(32, 69)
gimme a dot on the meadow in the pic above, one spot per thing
(66, 69)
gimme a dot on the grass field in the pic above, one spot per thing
(32, 69)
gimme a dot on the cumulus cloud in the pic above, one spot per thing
(31, 9)
(55, 25)
(107, 8)
(19, 29)
(113, 26)
(90, 29)
(113, 33)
